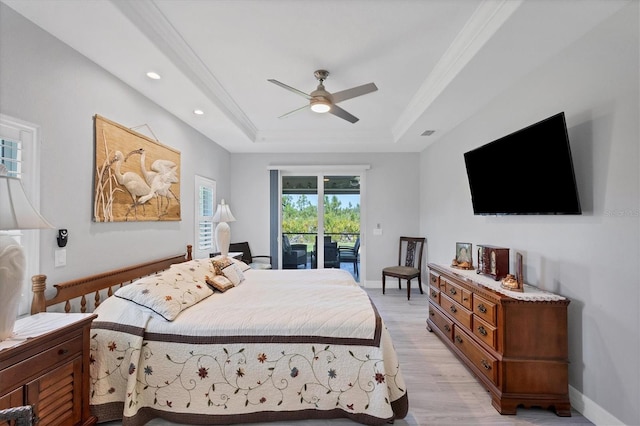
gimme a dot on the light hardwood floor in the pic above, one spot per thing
(441, 389)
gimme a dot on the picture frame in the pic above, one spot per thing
(464, 256)
(136, 178)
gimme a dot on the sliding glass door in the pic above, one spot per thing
(320, 222)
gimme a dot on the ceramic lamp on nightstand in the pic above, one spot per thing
(223, 231)
(16, 213)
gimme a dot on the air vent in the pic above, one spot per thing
(428, 133)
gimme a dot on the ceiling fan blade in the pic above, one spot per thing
(293, 112)
(292, 89)
(339, 112)
(353, 92)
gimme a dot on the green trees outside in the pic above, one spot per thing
(300, 217)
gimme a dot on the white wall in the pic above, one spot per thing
(591, 259)
(391, 200)
(45, 82)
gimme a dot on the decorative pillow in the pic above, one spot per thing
(220, 283)
(167, 293)
(219, 264)
(243, 266)
(196, 268)
(233, 273)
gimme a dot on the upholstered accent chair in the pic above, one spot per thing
(263, 262)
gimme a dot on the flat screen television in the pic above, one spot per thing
(527, 172)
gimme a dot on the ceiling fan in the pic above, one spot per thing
(322, 101)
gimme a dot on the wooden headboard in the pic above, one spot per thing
(93, 284)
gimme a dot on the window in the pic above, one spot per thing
(205, 209)
(20, 154)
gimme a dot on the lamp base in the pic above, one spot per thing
(223, 238)
(12, 266)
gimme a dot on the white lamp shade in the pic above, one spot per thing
(16, 211)
(223, 213)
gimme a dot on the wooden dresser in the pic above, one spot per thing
(46, 365)
(516, 348)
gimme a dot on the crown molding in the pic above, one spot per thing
(483, 24)
(150, 20)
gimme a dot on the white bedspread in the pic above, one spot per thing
(285, 344)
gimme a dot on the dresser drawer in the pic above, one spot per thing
(485, 332)
(434, 280)
(484, 309)
(442, 322)
(456, 310)
(35, 365)
(457, 293)
(434, 294)
(484, 362)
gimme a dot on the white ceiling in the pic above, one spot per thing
(435, 62)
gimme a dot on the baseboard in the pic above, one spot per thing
(590, 410)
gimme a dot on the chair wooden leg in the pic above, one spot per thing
(420, 284)
(408, 289)
(399, 284)
(383, 277)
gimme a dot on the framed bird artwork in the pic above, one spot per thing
(136, 177)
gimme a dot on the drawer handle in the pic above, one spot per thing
(63, 351)
(446, 327)
(482, 308)
(433, 279)
(458, 338)
(465, 298)
(485, 364)
(452, 290)
(434, 294)
(453, 309)
(482, 331)
(431, 312)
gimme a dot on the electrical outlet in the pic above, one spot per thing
(60, 257)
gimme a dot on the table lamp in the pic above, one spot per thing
(16, 212)
(223, 231)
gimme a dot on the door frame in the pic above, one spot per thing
(319, 171)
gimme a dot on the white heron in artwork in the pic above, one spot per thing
(162, 175)
(133, 182)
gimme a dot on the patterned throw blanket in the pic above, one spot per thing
(282, 345)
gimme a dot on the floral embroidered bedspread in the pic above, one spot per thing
(283, 345)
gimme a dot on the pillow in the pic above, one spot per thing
(166, 294)
(196, 268)
(233, 273)
(243, 266)
(220, 283)
(219, 264)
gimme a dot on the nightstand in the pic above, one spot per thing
(46, 365)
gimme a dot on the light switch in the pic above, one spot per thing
(60, 257)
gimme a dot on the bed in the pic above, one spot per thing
(279, 345)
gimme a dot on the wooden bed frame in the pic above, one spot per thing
(82, 287)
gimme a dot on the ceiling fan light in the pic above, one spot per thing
(320, 105)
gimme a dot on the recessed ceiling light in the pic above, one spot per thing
(198, 111)
(153, 75)
(428, 133)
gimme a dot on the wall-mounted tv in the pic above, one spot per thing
(529, 171)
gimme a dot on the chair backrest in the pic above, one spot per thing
(412, 248)
(331, 255)
(244, 248)
(286, 244)
(356, 246)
